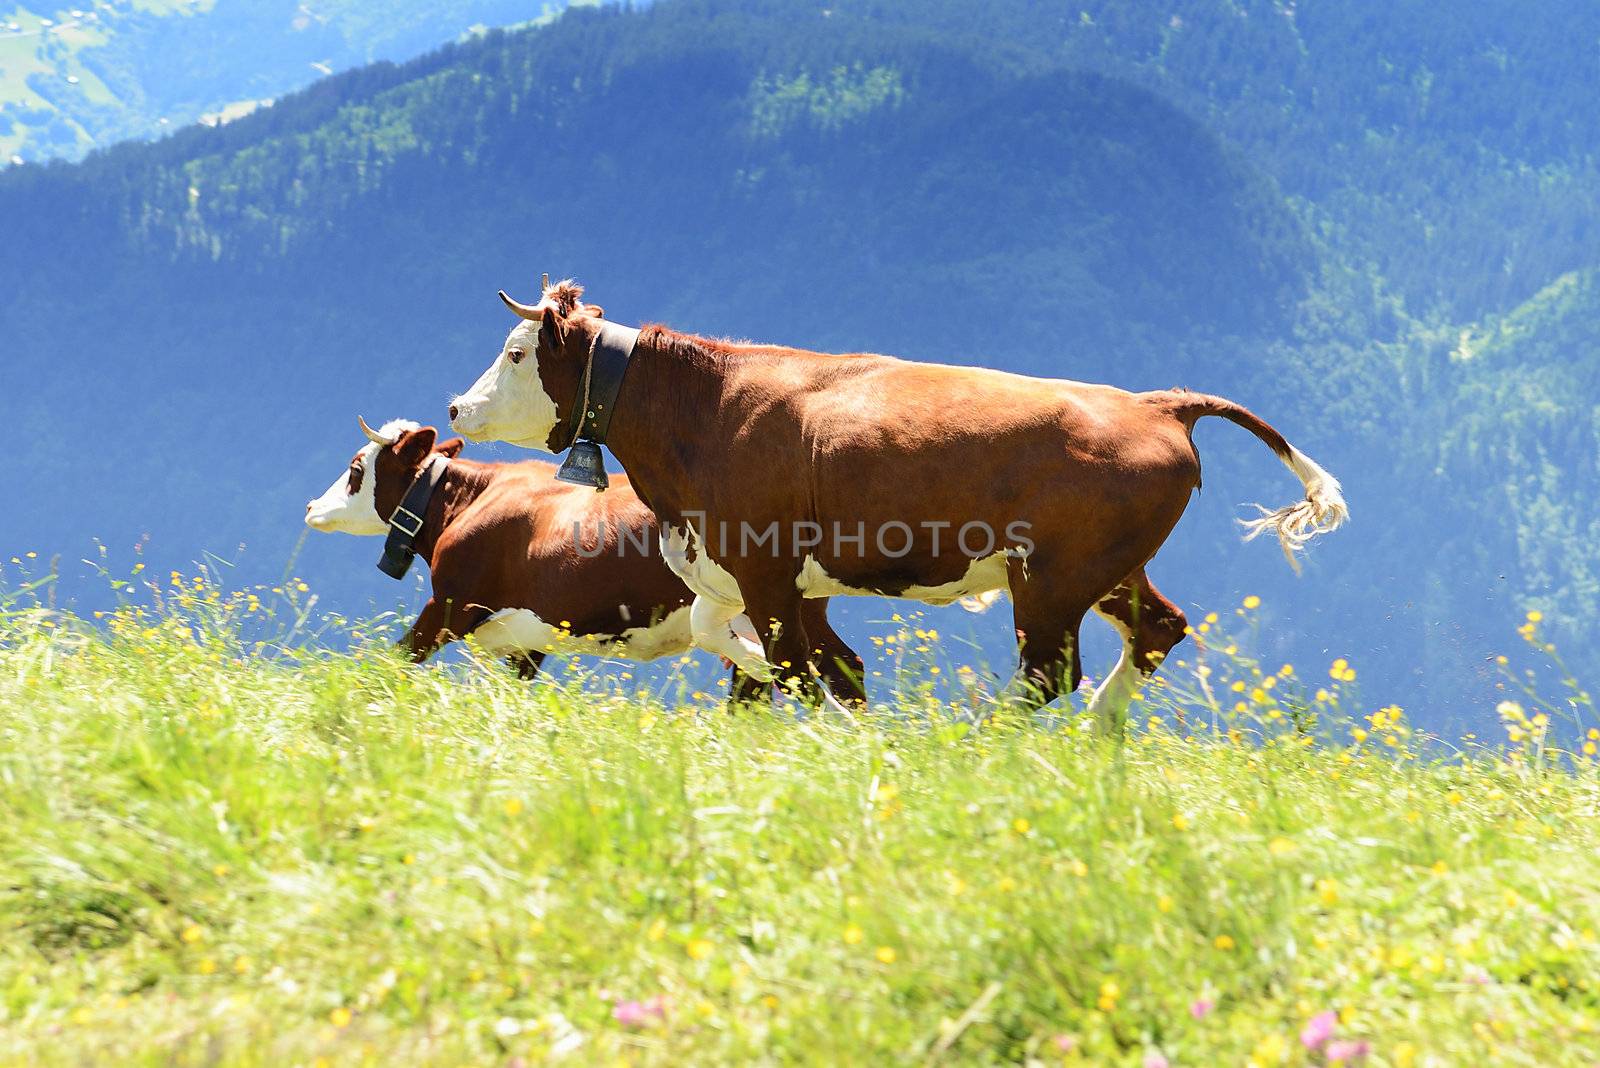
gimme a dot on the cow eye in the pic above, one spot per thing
(515, 355)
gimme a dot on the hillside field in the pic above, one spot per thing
(223, 852)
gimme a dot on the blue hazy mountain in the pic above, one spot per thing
(74, 78)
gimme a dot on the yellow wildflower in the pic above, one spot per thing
(1270, 1050)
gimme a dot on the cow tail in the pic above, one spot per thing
(1323, 508)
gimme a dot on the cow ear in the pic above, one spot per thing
(595, 310)
(451, 448)
(415, 446)
(553, 331)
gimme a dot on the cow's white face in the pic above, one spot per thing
(350, 505)
(508, 401)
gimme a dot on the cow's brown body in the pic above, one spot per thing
(501, 536)
(1099, 476)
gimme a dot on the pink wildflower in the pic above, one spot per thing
(1201, 1008)
(1347, 1050)
(640, 1013)
(1319, 1029)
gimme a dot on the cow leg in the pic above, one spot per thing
(775, 607)
(1049, 610)
(435, 628)
(724, 629)
(527, 664)
(427, 633)
(841, 667)
(745, 690)
(1150, 625)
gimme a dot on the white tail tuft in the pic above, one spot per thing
(1322, 511)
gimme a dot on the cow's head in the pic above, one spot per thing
(363, 499)
(529, 389)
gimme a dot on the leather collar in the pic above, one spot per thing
(399, 548)
(602, 381)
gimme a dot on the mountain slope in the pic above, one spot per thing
(1524, 431)
(76, 78)
(1451, 158)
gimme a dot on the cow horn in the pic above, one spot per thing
(544, 283)
(526, 311)
(372, 435)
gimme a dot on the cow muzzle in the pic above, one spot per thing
(466, 418)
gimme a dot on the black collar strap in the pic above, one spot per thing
(602, 381)
(399, 548)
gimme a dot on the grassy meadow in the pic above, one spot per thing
(224, 853)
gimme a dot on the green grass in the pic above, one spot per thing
(209, 856)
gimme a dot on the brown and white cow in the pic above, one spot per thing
(525, 564)
(1066, 489)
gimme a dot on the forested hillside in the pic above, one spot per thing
(1344, 215)
(74, 78)
(1521, 439)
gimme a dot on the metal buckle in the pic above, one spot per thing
(394, 521)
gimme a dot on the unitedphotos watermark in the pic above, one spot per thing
(893, 539)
